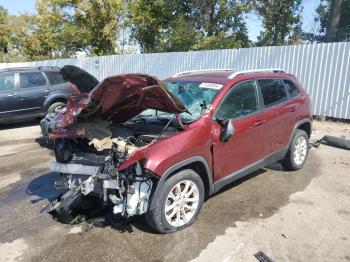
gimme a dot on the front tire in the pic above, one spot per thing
(298, 151)
(178, 203)
(63, 151)
(55, 107)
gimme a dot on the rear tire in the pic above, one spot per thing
(182, 195)
(298, 151)
(55, 107)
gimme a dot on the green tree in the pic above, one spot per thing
(62, 28)
(9, 27)
(20, 26)
(149, 20)
(281, 21)
(44, 38)
(98, 21)
(178, 25)
(181, 36)
(220, 22)
(342, 30)
(4, 29)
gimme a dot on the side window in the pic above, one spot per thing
(7, 82)
(292, 90)
(32, 79)
(241, 101)
(273, 91)
(55, 77)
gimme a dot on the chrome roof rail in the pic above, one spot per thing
(47, 67)
(190, 72)
(252, 71)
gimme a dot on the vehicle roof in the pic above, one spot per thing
(29, 68)
(211, 77)
(225, 76)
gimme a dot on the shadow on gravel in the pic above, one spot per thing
(45, 142)
(238, 182)
(43, 187)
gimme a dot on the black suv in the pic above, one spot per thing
(34, 91)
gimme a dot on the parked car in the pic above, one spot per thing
(160, 148)
(27, 92)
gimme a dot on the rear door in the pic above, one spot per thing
(8, 95)
(33, 90)
(278, 112)
(295, 102)
(249, 143)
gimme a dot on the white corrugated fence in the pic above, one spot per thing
(323, 69)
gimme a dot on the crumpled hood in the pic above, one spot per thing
(119, 98)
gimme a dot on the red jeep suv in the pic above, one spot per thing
(160, 148)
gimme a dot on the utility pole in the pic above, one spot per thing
(333, 21)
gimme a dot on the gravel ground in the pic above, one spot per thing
(290, 216)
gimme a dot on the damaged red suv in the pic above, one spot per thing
(160, 148)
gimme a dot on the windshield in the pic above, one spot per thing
(196, 97)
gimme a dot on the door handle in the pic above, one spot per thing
(12, 94)
(259, 122)
(47, 90)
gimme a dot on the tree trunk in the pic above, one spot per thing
(333, 21)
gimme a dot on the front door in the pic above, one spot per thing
(248, 145)
(8, 96)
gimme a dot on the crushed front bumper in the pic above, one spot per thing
(128, 195)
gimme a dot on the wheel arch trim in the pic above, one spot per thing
(297, 125)
(177, 166)
(52, 98)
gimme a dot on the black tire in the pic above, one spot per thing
(63, 151)
(156, 217)
(55, 106)
(289, 162)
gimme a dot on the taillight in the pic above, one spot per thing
(74, 87)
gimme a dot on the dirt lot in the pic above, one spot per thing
(290, 216)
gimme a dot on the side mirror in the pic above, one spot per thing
(227, 130)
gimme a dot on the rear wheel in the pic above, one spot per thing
(298, 151)
(178, 203)
(55, 107)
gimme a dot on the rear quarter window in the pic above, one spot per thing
(55, 77)
(292, 90)
(273, 92)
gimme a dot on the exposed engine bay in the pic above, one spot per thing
(89, 165)
(101, 142)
